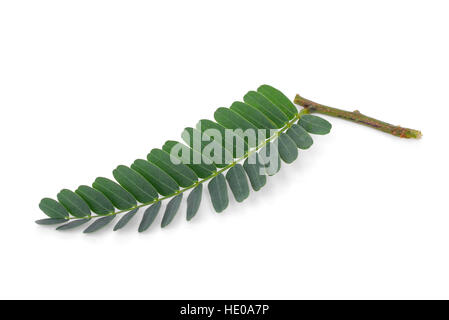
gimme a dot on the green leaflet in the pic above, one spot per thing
(50, 221)
(218, 193)
(314, 124)
(97, 201)
(194, 201)
(72, 224)
(279, 99)
(125, 219)
(163, 183)
(253, 115)
(288, 150)
(298, 134)
(253, 169)
(236, 144)
(149, 216)
(207, 146)
(238, 182)
(135, 183)
(53, 209)
(182, 174)
(269, 158)
(99, 223)
(265, 106)
(202, 170)
(171, 210)
(73, 203)
(232, 120)
(121, 198)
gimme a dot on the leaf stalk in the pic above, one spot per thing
(355, 116)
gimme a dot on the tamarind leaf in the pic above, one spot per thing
(241, 146)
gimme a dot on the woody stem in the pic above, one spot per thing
(357, 117)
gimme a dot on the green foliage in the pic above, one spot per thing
(149, 216)
(218, 193)
(314, 124)
(99, 223)
(194, 201)
(253, 169)
(147, 183)
(125, 219)
(238, 182)
(300, 136)
(171, 211)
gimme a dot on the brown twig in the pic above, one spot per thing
(356, 116)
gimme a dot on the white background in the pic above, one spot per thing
(88, 85)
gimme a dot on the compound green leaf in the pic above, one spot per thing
(298, 134)
(218, 191)
(121, 198)
(182, 174)
(149, 215)
(53, 209)
(238, 182)
(238, 133)
(253, 169)
(135, 183)
(279, 99)
(99, 223)
(171, 210)
(194, 201)
(73, 203)
(125, 219)
(314, 124)
(73, 224)
(163, 183)
(261, 103)
(97, 201)
(288, 150)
